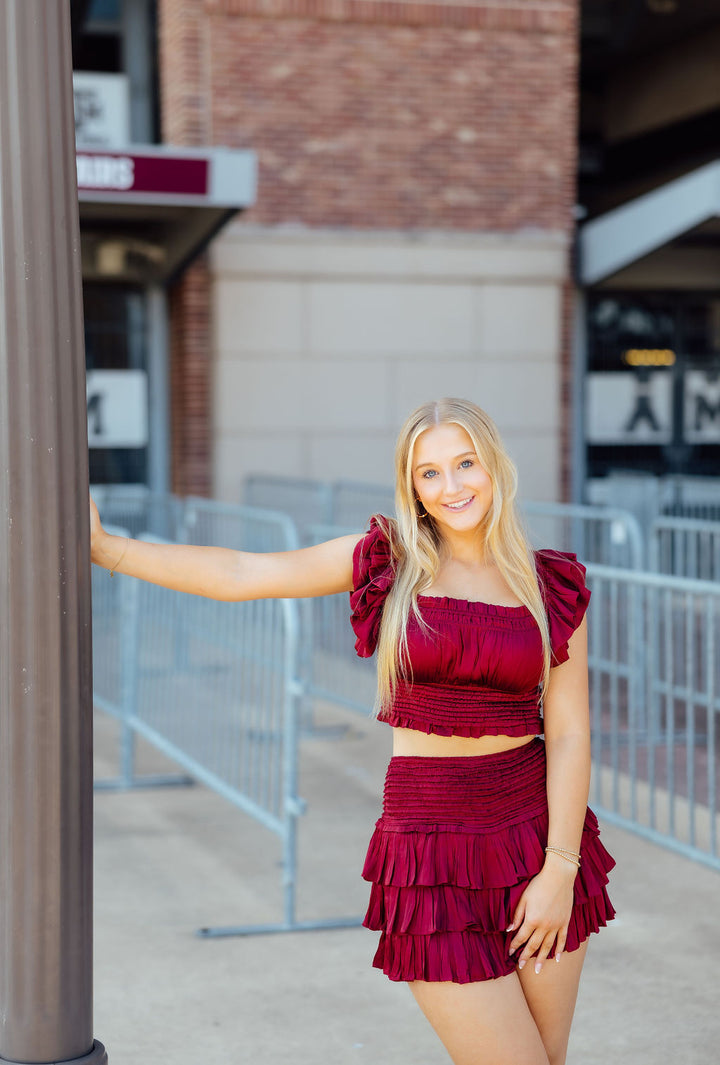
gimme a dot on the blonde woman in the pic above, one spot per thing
(487, 874)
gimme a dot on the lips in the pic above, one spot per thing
(460, 505)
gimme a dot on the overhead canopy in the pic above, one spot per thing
(625, 234)
(146, 212)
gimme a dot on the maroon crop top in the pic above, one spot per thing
(477, 672)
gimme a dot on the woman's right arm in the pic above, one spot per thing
(222, 573)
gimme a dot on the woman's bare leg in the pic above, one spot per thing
(551, 995)
(483, 1023)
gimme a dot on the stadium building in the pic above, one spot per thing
(300, 218)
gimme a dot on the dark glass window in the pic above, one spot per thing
(116, 339)
(99, 46)
(618, 323)
(682, 332)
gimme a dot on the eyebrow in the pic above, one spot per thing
(422, 465)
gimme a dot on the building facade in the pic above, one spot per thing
(435, 214)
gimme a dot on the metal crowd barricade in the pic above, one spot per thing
(654, 655)
(226, 713)
(205, 521)
(306, 501)
(115, 671)
(248, 529)
(693, 497)
(353, 502)
(312, 503)
(643, 494)
(686, 547)
(604, 535)
(333, 672)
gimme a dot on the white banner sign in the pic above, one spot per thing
(702, 407)
(102, 110)
(629, 408)
(117, 408)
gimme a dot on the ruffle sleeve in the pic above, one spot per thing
(373, 575)
(562, 583)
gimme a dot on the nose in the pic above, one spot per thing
(453, 481)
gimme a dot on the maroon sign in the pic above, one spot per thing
(158, 174)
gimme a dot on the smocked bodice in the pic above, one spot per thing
(476, 668)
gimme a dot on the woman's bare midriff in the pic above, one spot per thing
(408, 741)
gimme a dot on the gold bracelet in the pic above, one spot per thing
(565, 850)
(569, 856)
(122, 556)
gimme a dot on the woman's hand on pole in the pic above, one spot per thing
(96, 531)
(106, 550)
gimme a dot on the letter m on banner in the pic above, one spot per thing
(701, 422)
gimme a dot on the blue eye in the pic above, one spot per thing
(428, 474)
(466, 462)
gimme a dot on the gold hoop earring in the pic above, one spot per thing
(424, 512)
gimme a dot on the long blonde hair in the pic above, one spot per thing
(417, 546)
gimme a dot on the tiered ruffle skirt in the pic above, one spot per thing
(458, 841)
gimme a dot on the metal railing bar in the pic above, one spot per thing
(690, 710)
(712, 629)
(670, 706)
(205, 776)
(663, 840)
(595, 698)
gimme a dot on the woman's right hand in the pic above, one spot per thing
(97, 533)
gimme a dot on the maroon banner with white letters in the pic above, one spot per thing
(126, 172)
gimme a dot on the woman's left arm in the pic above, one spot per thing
(543, 912)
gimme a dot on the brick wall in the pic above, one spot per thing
(191, 382)
(383, 113)
(186, 105)
(185, 102)
(405, 116)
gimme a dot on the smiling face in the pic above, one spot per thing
(448, 479)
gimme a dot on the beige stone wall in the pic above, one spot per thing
(324, 341)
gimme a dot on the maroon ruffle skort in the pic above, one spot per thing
(458, 841)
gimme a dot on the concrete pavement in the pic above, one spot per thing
(170, 861)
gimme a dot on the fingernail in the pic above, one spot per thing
(510, 928)
(558, 956)
(538, 966)
(512, 950)
(521, 963)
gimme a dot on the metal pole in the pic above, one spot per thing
(158, 345)
(578, 472)
(45, 646)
